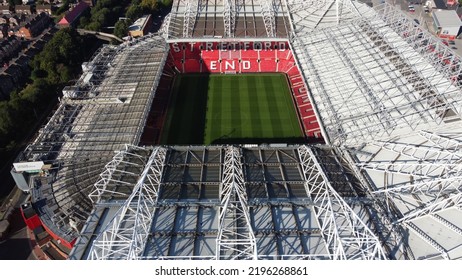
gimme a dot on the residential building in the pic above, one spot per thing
(71, 17)
(23, 9)
(33, 26)
(43, 9)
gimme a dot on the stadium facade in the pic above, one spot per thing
(378, 97)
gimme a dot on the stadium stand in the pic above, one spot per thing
(196, 58)
(267, 65)
(192, 66)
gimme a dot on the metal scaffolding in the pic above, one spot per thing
(190, 15)
(419, 177)
(268, 13)
(432, 175)
(126, 235)
(236, 239)
(370, 83)
(105, 110)
(229, 18)
(345, 234)
(313, 14)
(116, 183)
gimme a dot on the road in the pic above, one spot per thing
(18, 245)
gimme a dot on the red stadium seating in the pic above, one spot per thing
(249, 66)
(249, 55)
(210, 55)
(176, 52)
(270, 55)
(192, 66)
(192, 50)
(268, 65)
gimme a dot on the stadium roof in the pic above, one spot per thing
(387, 185)
(106, 109)
(227, 19)
(265, 199)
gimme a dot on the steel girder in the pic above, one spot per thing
(236, 239)
(109, 169)
(345, 234)
(165, 28)
(126, 235)
(190, 16)
(269, 17)
(229, 18)
(433, 206)
(329, 11)
(434, 169)
(350, 117)
(432, 49)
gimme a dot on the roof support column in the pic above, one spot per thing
(267, 7)
(125, 236)
(229, 18)
(190, 15)
(345, 234)
(236, 239)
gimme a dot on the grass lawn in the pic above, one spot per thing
(219, 109)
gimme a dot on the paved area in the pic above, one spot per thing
(424, 18)
(20, 242)
(17, 246)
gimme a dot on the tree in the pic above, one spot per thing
(121, 28)
(149, 6)
(165, 3)
(5, 120)
(64, 7)
(63, 49)
(134, 12)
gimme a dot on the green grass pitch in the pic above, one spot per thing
(227, 109)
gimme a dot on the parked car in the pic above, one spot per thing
(411, 8)
(451, 42)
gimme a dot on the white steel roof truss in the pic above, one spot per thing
(229, 18)
(109, 169)
(235, 239)
(269, 19)
(190, 15)
(345, 234)
(126, 235)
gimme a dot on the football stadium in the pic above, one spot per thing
(256, 130)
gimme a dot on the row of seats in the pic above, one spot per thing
(156, 118)
(231, 54)
(235, 65)
(304, 106)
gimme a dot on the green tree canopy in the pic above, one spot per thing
(121, 28)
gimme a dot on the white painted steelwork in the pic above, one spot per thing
(236, 239)
(125, 236)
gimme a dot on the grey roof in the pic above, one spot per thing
(446, 18)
